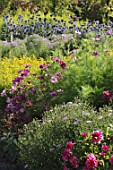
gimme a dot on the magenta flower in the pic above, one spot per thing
(69, 145)
(91, 162)
(24, 72)
(111, 160)
(66, 154)
(58, 75)
(96, 53)
(30, 103)
(97, 137)
(65, 167)
(74, 162)
(53, 93)
(54, 80)
(84, 134)
(105, 148)
(62, 64)
(107, 95)
(43, 66)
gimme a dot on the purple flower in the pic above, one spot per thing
(108, 32)
(3, 93)
(13, 89)
(33, 89)
(17, 80)
(43, 66)
(25, 72)
(53, 93)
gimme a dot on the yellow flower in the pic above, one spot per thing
(66, 58)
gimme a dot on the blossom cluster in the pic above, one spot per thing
(91, 160)
(30, 92)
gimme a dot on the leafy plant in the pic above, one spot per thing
(44, 142)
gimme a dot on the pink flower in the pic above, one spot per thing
(74, 162)
(111, 160)
(69, 145)
(97, 137)
(107, 95)
(58, 75)
(65, 167)
(66, 154)
(91, 162)
(43, 66)
(56, 59)
(105, 148)
(62, 65)
(84, 134)
(60, 90)
(54, 80)
(30, 103)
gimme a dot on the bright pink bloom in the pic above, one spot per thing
(30, 103)
(105, 148)
(107, 95)
(74, 162)
(66, 154)
(97, 137)
(84, 134)
(69, 145)
(91, 162)
(111, 160)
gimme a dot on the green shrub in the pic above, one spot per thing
(37, 45)
(42, 144)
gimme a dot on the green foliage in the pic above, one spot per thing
(94, 9)
(43, 142)
(37, 45)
